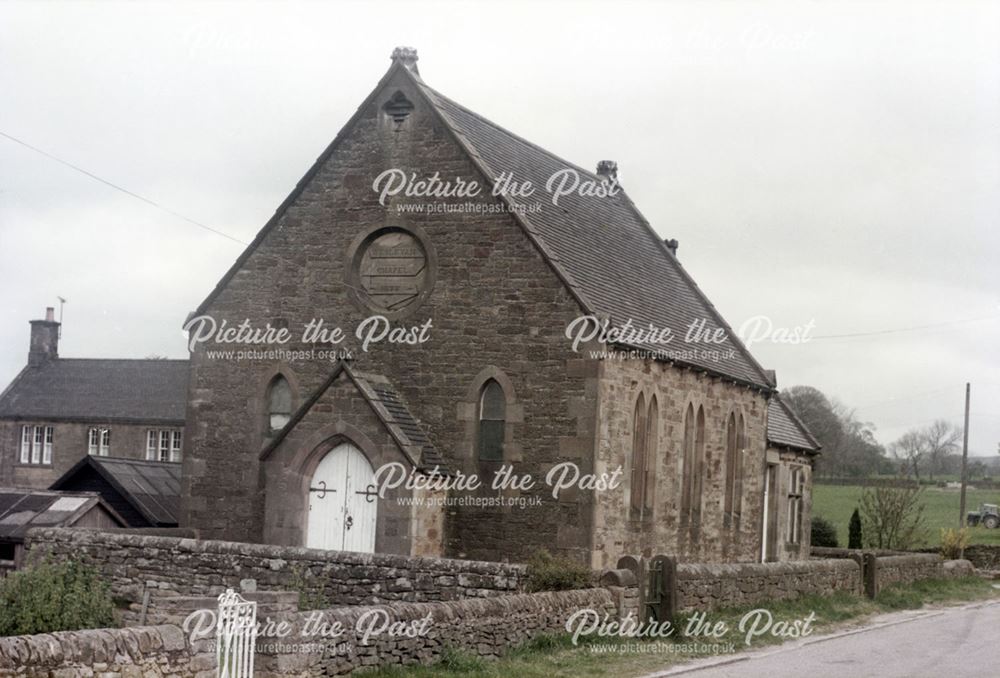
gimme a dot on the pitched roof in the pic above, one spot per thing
(610, 258)
(153, 391)
(615, 263)
(785, 429)
(150, 488)
(388, 406)
(22, 509)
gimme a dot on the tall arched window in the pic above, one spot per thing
(732, 455)
(492, 421)
(638, 485)
(279, 404)
(687, 466)
(699, 466)
(652, 441)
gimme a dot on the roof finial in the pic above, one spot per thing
(406, 56)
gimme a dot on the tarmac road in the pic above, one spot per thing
(958, 642)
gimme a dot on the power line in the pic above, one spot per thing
(115, 186)
(906, 329)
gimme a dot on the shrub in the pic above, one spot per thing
(893, 516)
(550, 573)
(47, 597)
(953, 542)
(854, 534)
(823, 533)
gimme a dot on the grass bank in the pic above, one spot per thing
(837, 502)
(557, 657)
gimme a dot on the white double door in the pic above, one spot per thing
(342, 504)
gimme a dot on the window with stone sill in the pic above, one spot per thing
(36, 445)
(492, 422)
(645, 438)
(735, 450)
(693, 465)
(279, 404)
(99, 442)
(164, 445)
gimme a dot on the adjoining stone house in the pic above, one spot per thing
(57, 411)
(491, 283)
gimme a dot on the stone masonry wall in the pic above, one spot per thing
(187, 567)
(909, 568)
(713, 541)
(710, 587)
(147, 652)
(483, 627)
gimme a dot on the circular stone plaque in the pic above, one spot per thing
(392, 271)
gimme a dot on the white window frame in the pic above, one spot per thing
(27, 434)
(99, 442)
(163, 444)
(36, 445)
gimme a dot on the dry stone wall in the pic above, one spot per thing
(168, 566)
(147, 652)
(715, 586)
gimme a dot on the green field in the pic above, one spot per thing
(837, 502)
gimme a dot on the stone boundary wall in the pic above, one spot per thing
(484, 627)
(715, 586)
(170, 566)
(149, 652)
(908, 568)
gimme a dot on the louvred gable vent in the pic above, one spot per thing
(398, 107)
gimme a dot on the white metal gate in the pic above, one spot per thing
(343, 504)
(235, 636)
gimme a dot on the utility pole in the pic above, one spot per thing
(965, 456)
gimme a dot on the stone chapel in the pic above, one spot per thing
(455, 361)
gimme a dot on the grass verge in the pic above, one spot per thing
(555, 656)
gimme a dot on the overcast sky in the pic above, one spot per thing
(818, 162)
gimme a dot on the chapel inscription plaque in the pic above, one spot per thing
(393, 271)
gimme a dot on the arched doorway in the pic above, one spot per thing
(342, 502)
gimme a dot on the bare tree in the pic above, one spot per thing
(940, 440)
(893, 516)
(911, 450)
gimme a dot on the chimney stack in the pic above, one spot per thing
(608, 169)
(406, 56)
(44, 344)
(672, 245)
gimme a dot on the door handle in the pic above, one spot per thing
(348, 522)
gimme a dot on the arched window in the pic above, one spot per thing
(492, 421)
(687, 466)
(279, 404)
(732, 471)
(638, 484)
(741, 450)
(652, 441)
(699, 466)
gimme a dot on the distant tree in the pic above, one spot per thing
(910, 449)
(892, 516)
(854, 540)
(940, 440)
(850, 449)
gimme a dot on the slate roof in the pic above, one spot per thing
(150, 488)
(22, 509)
(146, 391)
(388, 406)
(615, 263)
(785, 429)
(610, 258)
